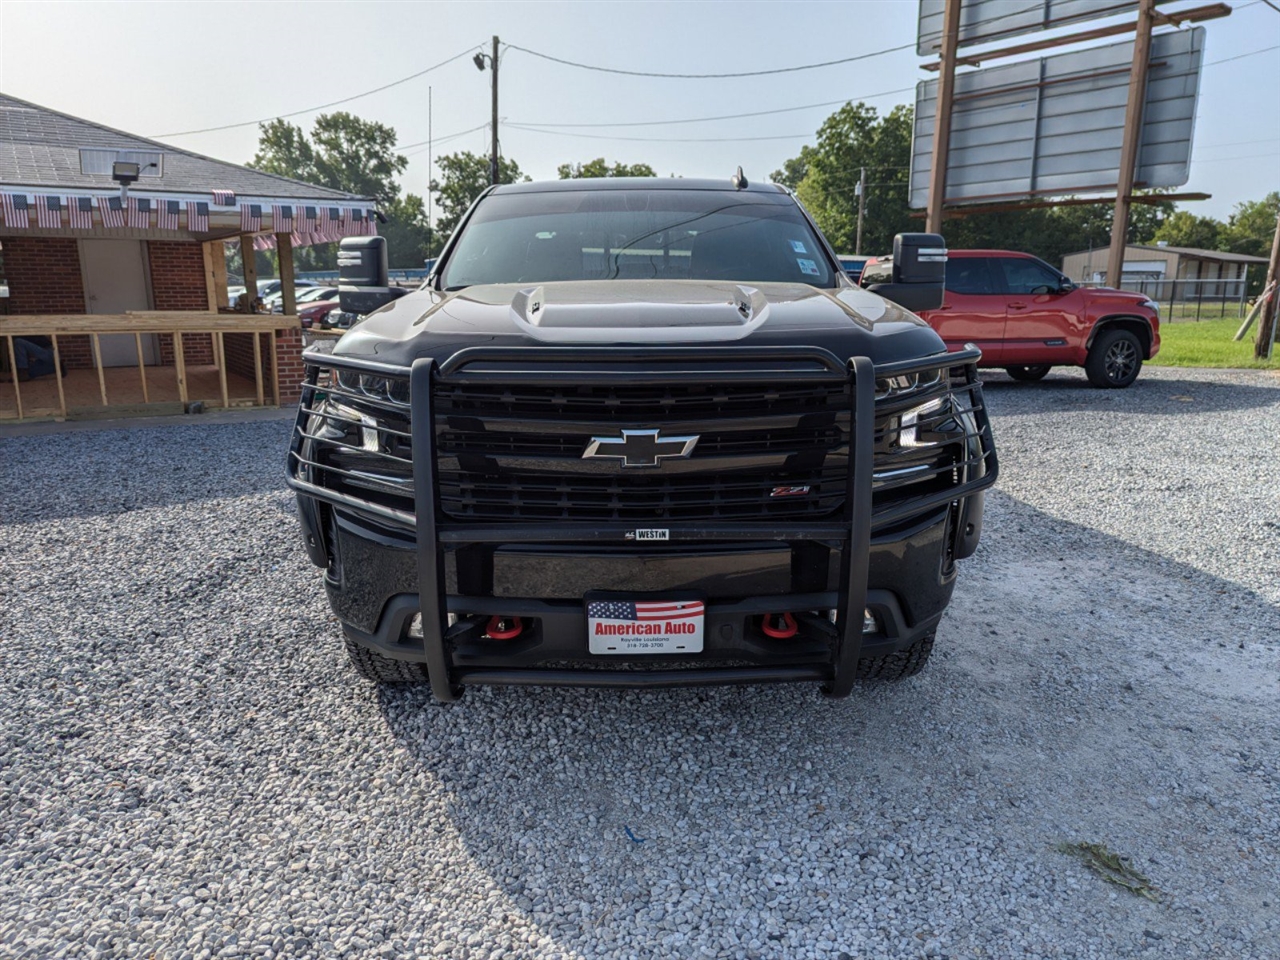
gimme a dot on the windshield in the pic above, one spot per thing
(637, 235)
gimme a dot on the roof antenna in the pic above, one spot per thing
(739, 180)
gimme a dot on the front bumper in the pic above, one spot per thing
(421, 587)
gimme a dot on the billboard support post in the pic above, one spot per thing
(1132, 139)
(1271, 308)
(942, 119)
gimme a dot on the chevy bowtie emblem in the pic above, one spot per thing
(639, 448)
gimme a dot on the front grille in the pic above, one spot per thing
(513, 453)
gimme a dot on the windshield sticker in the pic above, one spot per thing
(798, 246)
(809, 267)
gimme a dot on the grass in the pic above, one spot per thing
(1209, 344)
(1112, 867)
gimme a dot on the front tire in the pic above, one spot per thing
(374, 666)
(1028, 374)
(900, 665)
(1114, 360)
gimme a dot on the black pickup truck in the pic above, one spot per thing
(640, 433)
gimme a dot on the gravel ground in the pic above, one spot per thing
(189, 769)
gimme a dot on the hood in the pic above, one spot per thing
(846, 320)
(1111, 293)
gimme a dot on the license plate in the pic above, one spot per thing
(624, 626)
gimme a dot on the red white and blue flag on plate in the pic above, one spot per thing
(644, 610)
(80, 213)
(251, 217)
(224, 198)
(197, 216)
(49, 212)
(16, 213)
(112, 211)
(282, 218)
(167, 214)
(139, 213)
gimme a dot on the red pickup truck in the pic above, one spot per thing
(1027, 317)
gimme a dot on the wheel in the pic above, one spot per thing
(380, 669)
(898, 666)
(1114, 359)
(1038, 372)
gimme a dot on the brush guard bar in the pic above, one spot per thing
(560, 366)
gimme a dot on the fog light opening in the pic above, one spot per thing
(870, 624)
(780, 626)
(504, 628)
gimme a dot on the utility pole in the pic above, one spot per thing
(1271, 311)
(493, 150)
(479, 60)
(942, 120)
(862, 208)
(1131, 141)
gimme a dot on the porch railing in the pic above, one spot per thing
(140, 324)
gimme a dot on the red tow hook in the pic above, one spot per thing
(780, 626)
(503, 628)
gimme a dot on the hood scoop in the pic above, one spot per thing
(707, 312)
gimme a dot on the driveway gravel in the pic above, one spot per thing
(188, 768)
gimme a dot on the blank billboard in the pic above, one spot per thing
(982, 21)
(1054, 126)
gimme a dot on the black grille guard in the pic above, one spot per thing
(573, 366)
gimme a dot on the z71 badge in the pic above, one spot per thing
(650, 535)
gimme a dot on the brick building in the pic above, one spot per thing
(131, 284)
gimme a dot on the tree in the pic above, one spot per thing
(1184, 229)
(408, 231)
(853, 137)
(1252, 225)
(463, 177)
(793, 170)
(599, 168)
(348, 153)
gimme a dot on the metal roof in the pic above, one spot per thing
(1200, 254)
(40, 148)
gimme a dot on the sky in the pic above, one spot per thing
(161, 68)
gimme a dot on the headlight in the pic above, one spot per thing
(910, 433)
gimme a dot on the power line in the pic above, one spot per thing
(728, 116)
(597, 136)
(1241, 56)
(441, 139)
(1271, 5)
(709, 76)
(323, 106)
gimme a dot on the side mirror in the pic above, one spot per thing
(363, 281)
(919, 272)
(1066, 286)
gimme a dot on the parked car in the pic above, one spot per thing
(631, 424)
(852, 264)
(275, 302)
(1027, 317)
(315, 314)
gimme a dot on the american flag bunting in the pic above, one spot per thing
(251, 217)
(330, 224)
(80, 213)
(224, 198)
(167, 214)
(16, 213)
(282, 218)
(307, 221)
(139, 213)
(49, 212)
(197, 216)
(112, 211)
